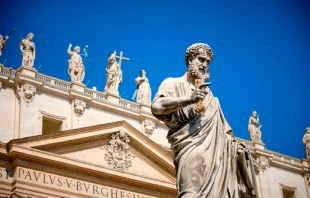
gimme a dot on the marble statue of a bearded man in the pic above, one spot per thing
(209, 161)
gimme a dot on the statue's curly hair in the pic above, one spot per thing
(193, 50)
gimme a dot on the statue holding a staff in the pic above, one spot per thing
(76, 67)
(4, 40)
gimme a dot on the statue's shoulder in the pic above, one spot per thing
(171, 80)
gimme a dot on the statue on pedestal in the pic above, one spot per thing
(209, 161)
(306, 141)
(76, 67)
(254, 128)
(2, 43)
(114, 74)
(27, 48)
(143, 88)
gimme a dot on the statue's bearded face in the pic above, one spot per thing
(198, 67)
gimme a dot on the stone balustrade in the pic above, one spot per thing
(8, 72)
(52, 81)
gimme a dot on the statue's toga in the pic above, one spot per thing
(209, 161)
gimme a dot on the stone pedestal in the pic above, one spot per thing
(28, 71)
(259, 145)
(145, 107)
(114, 93)
(78, 86)
(113, 98)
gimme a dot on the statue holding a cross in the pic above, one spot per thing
(114, 73)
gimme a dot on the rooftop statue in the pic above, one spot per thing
(254, 127)
(209, 161)
(2, 43)
(306, 141)
(27, 48)
(113, 73)
(76, 67)
(143, 88)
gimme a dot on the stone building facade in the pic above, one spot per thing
(61, 139)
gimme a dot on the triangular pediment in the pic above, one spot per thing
(85, 150)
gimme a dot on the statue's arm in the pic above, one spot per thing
(139, 80)
(21, 47)
(254, 121)
(69, 50)
(167, 105)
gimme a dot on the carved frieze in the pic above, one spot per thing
(149, 126)
(79, 107)
(29, 92)
(117, 152)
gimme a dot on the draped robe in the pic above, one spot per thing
(205, 151)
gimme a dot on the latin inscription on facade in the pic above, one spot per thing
(64, 183)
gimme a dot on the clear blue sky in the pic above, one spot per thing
(261, 51)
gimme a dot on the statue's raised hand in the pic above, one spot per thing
(70, 45)
(198, 94)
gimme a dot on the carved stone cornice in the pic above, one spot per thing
(52, 115)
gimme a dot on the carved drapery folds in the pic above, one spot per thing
(79, 107)
(29, 92)
(149, 126)
(117, 152)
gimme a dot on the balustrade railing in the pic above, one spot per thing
(66, 85)
(8, 72)
(43, 78)
(130, 105)
(53, 81)
(88, 92)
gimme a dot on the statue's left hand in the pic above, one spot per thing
(7, 37)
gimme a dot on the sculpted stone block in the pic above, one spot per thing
(29, 92)
(117, 152)
(79, 107)
(149, 126)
